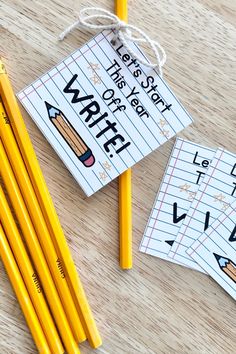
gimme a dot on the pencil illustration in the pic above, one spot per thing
(69, 134)
(227, 266)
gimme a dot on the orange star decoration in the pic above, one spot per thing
(103, 176)
(219, 198)
(96, 79)
(184, 187)
(225, 206)
(162, 122)
(94, 66)
(165, 133)
(106, 165)
(191, 196)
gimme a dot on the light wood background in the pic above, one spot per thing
(158, 307)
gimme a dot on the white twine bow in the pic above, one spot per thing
(88, 18)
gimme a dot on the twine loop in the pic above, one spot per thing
(91, 18)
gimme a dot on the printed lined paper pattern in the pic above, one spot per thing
(215, 250)
(215, 194)
(184, 173)
(142, 113)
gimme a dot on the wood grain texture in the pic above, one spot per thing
(157, 307)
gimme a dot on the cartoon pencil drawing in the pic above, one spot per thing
(70, 135)
(227, 266)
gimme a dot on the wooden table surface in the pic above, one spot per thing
(157, 307)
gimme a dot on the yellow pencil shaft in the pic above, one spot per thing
(122, 9)
(125, 192)
(48, 209)
(22, 295)
(35, 249)
(125, 218)
(29, 275)
(31, 201)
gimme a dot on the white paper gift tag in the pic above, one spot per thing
(102, 111)
(185, 170)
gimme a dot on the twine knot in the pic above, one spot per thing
(90, 17)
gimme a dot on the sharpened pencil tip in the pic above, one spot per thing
(48, 105)
(217, 256)
(169, 242)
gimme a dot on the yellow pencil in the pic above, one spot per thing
(121, 8)
(22, 295)
(35, 249)
(48, 209)
(29, 275)
(40, 226)
(125, 192)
